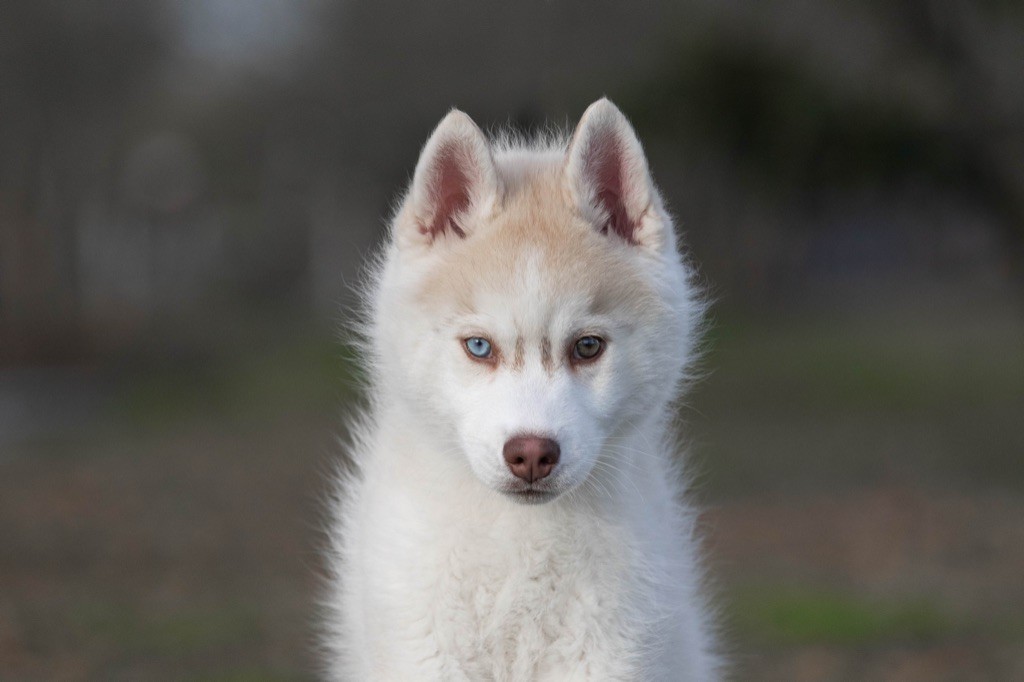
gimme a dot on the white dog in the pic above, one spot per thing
(515, 509)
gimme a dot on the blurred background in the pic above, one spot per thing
(188, 189)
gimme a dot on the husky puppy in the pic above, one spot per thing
(514, 512)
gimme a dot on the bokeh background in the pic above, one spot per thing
(188, 189)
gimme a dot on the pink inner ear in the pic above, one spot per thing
(449, 189)
(603, 164)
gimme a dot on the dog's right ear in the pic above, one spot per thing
(454, 184)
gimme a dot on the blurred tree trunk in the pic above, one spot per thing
(986, 127)
(68, 76)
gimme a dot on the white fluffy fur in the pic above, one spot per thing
(439, 572)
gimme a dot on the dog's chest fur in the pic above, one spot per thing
(513, 596)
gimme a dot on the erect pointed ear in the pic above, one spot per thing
(607, 175)
(455, 181)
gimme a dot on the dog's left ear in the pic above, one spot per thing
(606, 171)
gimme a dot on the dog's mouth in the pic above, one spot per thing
(530, 494)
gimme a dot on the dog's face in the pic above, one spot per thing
(535, 309)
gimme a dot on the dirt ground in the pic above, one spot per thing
(176, 536)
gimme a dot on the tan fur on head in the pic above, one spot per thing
(525, 202)
(534, 221)
(601, 173)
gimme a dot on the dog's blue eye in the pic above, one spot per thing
(478, 347)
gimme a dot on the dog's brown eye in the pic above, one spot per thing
(587, 348)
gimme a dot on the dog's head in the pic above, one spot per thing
(532, 305)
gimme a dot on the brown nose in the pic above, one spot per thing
(531, 458)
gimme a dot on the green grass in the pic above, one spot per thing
(309, 374)
(795, 617)
(244, 674)
(917, 367)
(791, 404)
(187, 631)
